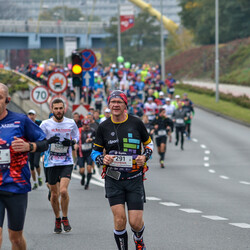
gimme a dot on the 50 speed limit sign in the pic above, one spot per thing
(40, 94)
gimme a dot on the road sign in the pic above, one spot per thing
(66, 103)
(88, 59)
(57, 82)
(40, 94)
(88, 78)
(82, 110)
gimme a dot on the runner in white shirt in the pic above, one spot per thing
(150, 108)
(169, 108)
(62, 133)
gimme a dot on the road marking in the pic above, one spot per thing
(245, 182)
(241, 225)
(190, 210)
(203, 146)
(214, 217)
(149, 198)
(206, 165)
(206, 158)
(194, 140)
(169, 204)
(207, 152)
(211, 171)
(91, 181)
(224, 177)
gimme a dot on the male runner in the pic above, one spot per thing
(121, 136)
(62, 133)
(17, 136)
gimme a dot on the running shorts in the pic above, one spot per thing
(161, 139)
(54, 174)
(34, 159)
(82, 160)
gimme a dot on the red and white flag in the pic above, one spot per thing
(127, 18)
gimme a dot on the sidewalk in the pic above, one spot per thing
(235, 90)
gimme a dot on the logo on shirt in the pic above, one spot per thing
(113, 133)
(113, 141)
(11, 125)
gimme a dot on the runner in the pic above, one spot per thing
(162, 125)
(87, 135)
(34, 158)
(17, 136)
(190, 113)
(62, 133)
(124, 166)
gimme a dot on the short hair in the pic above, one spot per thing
(4, 88)
(57, 100)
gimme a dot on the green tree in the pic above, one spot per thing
(139, 44)
(199, 17)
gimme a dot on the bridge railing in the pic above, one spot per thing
(22, 26)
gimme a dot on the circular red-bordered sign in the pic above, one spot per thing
(66, 103)
(57, 82)
(88, 59)
(40, 94)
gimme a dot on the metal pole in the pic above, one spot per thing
(217, 49)
(87, 33)
(57, 46)
(162, 48)
(119, 29)
(64, 59)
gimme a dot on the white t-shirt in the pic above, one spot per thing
(57, 154)
(169, 109)
(150, 109)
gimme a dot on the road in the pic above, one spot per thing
(200, 201)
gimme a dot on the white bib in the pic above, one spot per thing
(58, 148)
(122, 161)
(162, 132)
(86, 146)
(179, 121)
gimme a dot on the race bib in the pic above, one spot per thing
(86, 146)
(171, 90)
(179, 121)
(4, 158)
(122, 163)
(148, 129)
(58, 148)
(162, 132)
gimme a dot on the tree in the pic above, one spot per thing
(199, 17)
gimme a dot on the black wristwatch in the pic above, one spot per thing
(31, 147)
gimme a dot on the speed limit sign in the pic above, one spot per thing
(40, 94)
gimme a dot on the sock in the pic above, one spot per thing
(162, 156)
(64, 218)
(58, 218)
(121, 238)
(88, 177)
(138, 235)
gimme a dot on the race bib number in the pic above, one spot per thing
(122, 162)
(179, 121)
(4, 158)
(86, 146)
(58, 148)
(162, 132)
(171, 90)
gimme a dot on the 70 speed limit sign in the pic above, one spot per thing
(40, 94)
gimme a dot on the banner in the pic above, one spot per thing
(127, 19)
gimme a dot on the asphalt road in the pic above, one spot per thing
(199, 201)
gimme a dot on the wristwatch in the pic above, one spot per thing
(31, 147)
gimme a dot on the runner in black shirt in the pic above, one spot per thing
(124, 164)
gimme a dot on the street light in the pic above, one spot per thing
(217, 49)
(162, 48)
(57, 15)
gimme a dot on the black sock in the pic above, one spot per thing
(64, 218)
(121, 238)
(138, 235)
(88, 177)
(59, 218)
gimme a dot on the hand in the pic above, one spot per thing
(89, 140)
(108, 159)
(67, 142)
(19, 145)
(53, 139)
(140, 160)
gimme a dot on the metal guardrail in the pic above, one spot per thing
(15, 26)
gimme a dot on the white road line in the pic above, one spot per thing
(207, 152)
(206, 165)
(214, 217)
(190, 210)
(241, 225)
(169, 204)
(150, 198)
(194, 140)
(203, 146)
(76, 176)
(211, 171)
(224, 177)
(206, 158)
(245, 182)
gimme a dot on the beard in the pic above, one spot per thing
(59, 116)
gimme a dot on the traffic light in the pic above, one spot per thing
(76, 69)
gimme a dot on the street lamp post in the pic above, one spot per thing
(119, 29)
(162, 48)
(217, 49)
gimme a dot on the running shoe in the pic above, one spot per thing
(139, 244)
(58, 227)
(86, 187)
(35, 186)
(66, 226)
(40, 181)
(162, 164)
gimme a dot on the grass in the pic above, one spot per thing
(226, 108)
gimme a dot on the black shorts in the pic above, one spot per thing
(129, 191)
(161, 139)
(34, 160)
(82, 160)
(16, 206)
(54, 174)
